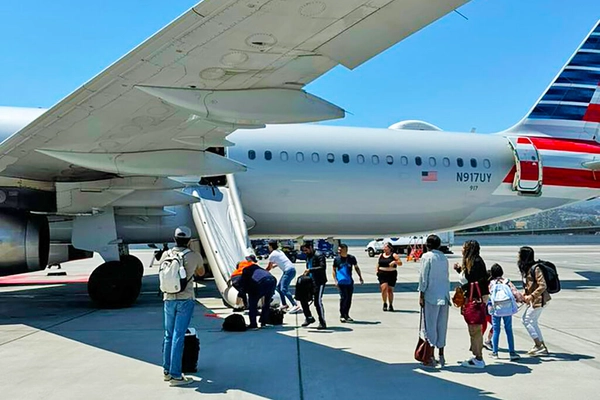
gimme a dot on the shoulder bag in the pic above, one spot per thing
(474, 311)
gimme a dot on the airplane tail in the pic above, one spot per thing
(570, 107)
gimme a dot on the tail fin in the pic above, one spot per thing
(570, 108)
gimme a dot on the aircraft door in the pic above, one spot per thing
(528, 176)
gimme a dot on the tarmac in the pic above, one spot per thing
(55, 345)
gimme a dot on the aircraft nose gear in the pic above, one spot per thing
(116, 284)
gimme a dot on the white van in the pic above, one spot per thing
(403, 244)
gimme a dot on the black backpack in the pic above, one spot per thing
(550, 275)
(275, 316)
(234, 323)
(304, 288)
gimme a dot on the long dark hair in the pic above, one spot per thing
(526, 259)
(470, 254)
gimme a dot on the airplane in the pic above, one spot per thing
(201, 125)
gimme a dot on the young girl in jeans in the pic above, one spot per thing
(497, 278)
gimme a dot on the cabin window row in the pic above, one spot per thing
(374, 159)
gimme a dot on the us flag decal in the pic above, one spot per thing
(429, 176)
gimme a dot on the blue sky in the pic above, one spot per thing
(485, 72)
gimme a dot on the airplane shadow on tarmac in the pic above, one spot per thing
(279, 362)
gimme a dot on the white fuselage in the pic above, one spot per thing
(326, 181)
(292, 194)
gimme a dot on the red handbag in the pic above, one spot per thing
(474, 311)
(424, 350)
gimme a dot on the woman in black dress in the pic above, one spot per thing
(387, 275)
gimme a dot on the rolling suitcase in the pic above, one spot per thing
(191, 350)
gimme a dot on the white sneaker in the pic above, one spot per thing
(473, 363)
(295, 310)
(539, 351)
(184, 380)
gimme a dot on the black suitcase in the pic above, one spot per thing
(191, 350)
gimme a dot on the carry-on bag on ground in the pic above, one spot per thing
(191, 350)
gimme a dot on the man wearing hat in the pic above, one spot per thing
(178, 309)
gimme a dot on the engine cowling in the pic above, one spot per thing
(60, 253)
(24, 242)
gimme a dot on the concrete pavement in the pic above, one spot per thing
(55, 345)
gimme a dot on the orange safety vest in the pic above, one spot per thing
(240, 267)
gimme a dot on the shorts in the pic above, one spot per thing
(389, 277)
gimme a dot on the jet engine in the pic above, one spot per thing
(24, 242)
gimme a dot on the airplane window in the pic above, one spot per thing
(345, 158)
(487, 164)
(459, 162)
(268, 155)
(299, 156)
(446, 161)
(284, 156)
(404, 160)
(315, 157)
(360, 159)
(432, 161)
(330, 157)
(375, 160)
(389, 160)
(418, 160)
(473, 163)
(251, 154)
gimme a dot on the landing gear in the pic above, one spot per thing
(116, 284)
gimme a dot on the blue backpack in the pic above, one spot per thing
(502, 301)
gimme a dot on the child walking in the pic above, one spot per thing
(502, 305)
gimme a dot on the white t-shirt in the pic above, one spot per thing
(278, 257)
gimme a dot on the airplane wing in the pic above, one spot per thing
(222, 65)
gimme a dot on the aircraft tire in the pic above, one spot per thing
(134, 263)
(114, 284)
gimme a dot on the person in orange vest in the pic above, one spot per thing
(236, 281)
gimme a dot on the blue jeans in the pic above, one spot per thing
(283, 287)
(178, 314)
(509, 333)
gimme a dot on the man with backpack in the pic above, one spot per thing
(177, 269)
(539, 280)
(342, 276)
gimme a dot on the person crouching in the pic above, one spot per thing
(256, 283)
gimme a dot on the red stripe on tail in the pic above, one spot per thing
(593, 113)
(565, 177)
